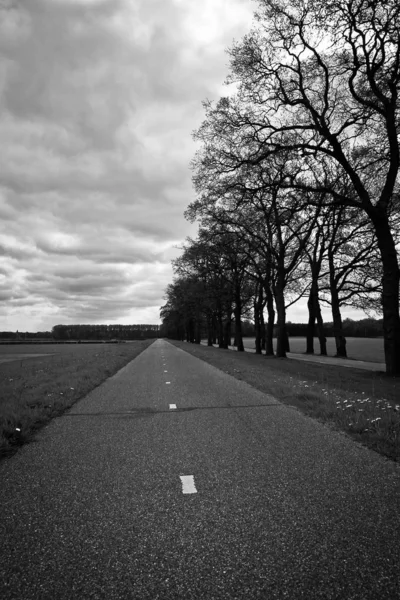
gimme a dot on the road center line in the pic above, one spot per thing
(167, 382)
(172, 407)
(188, 486)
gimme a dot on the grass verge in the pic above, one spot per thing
(363, 404)
(35, 391)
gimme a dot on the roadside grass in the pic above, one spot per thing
(365, 405)
(36, 390)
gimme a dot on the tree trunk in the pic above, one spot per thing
(390, 292)
(191, 331)
(269, 338)
(220, 331)
(187, 327)
(197, 337)
(227, 333)
(257, 320)
(214, 328)
(321, 332)
(311, 321)
(258, 339)
(281, 320)
(238, 324)
(263, 332)
(210, 331)
(340, 339)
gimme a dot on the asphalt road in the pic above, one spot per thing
(283, 508)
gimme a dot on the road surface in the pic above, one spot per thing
(230, 495)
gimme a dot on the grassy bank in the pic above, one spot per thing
(36, 390)
(363, 404)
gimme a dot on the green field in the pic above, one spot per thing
(369, 349)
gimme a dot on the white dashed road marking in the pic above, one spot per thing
(167, 382)
(165, 371)
(188, 486)
(172, 407)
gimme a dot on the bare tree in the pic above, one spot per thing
(321, 80)
(275, 222)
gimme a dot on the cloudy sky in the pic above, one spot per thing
(98, 101)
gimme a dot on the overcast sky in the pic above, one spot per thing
(98, 101)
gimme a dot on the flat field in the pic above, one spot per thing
(369, 349)
(36, 388)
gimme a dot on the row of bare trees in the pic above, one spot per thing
(240, 268)
(296, 178)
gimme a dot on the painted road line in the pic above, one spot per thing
(172, 407)
(167, 382)
(165, 371)
(188, 486)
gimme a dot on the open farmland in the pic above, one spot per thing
(369, 349)
(39, 382)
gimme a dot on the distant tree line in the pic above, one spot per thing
(297, 181)
(105, 332)
(87, 332)
(25, 335)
